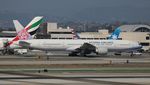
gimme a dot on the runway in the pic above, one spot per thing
(74, 79)
(66, 70)
(62, 60)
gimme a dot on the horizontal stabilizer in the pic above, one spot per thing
(24, 44)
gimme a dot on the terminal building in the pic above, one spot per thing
(55, 32)
(140, 33)
(8, 34)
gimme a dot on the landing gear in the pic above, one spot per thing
(9, 52)
(117, 53)
(132, 54)
(72, 54)
(82, 53)
(4, 52)
(75, 54)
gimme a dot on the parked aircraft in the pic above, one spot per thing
(22, 33)
(81, 47)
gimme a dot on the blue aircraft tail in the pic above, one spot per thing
(115, 34)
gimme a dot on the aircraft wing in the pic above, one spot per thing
(87, 46)
(79, 48)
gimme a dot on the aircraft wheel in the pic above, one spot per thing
(82, 53)
(72, 54)
(4, 52)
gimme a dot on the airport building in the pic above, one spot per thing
(101, 34)
(56, 32)
(8, 34)
(140, 33)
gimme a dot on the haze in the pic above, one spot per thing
(79, 10)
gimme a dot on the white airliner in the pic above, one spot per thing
(79, 46)
(82, 47)
(22, 33)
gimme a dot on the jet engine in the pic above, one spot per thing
(100, 51)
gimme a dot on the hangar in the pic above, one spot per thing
(135, 28)
(140, 33)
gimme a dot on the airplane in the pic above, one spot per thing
(116, 32)
(79, 46)
(22, 33)
(83, 47)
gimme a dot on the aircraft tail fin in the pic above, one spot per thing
(28, 31)
(75, 35)
(18, 26)
(115, 34)
(33, 26)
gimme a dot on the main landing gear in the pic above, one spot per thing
(82, 53)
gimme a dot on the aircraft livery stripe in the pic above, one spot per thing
(34, 25)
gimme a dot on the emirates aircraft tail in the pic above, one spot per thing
(31, 28)
(28, 31)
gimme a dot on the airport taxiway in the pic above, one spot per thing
(64, 59)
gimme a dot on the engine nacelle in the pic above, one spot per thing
(100, 51)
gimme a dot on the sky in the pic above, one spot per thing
(78, 10)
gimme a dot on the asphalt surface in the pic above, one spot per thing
(74, 79)
(18, 77)
(64, 59)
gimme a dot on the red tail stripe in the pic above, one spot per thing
(16, 38)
